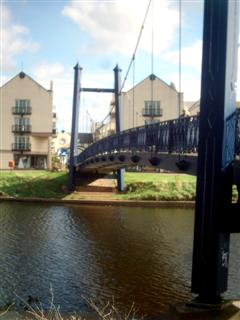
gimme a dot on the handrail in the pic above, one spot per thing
(173, 136)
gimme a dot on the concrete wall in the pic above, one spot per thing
(39, 145)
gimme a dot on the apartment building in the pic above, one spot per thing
(26, 124)
(152, 100)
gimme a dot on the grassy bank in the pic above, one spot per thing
(139, 186)
(162, 187)
(42, 184)
(156, 186)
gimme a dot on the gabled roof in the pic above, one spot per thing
(22, 75)
(153, 77)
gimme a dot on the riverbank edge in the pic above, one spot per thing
(120, 203)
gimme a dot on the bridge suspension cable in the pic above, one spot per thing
(133, 91)
(136, 46)
(131, 62)
(179, 56)
(152, 60)
(152, 53)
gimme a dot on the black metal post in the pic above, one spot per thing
(117, 93)
(74, 132)
(216, 150)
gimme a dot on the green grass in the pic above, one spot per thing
(41, 184)
(157, 177)
(161, 186)
(139, 186)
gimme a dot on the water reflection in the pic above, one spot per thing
(131, 254)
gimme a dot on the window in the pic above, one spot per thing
(54, 128)
(152, 109)
(22, 143)
(22, 121)
(21, 140)
(22, 125)
(22, 103)
(22, 107)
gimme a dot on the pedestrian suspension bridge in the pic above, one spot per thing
(170, 145)
(207, 145)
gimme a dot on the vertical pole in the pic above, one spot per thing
(118, 111)
(74, 132)
(216, 149)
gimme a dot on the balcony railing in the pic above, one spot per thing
(22, 128)
(21, 146)
(22, 110)
(152, 112)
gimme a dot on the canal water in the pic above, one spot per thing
(138, 255)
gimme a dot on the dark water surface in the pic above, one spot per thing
(138, 255)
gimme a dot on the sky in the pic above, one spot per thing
(46, 38)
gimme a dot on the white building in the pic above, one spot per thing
(151, 100)
(26, 124)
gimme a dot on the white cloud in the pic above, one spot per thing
(62, 89)
(15, 39)
(190, 56)
(49, 71)
(114, 26)
(191, 59)
(97, 104)
(190, 85)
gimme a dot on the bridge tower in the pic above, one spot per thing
(215, 216)
(74, 131)
(119, 126)
(75, 119)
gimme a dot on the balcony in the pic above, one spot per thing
(22, 110)
(149, 112)
(21, 146)
(22, 128)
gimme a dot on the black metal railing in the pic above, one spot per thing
(174, 136)
(22, 128)
(21, 146)
(22, 110)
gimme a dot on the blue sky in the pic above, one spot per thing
(46, 38)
